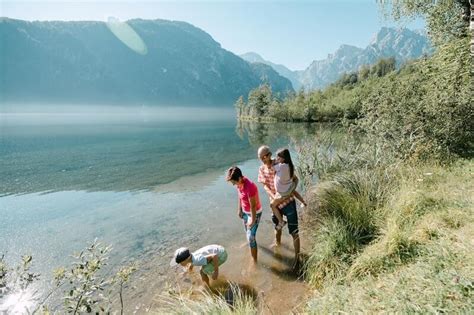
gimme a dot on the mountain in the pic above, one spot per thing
(253, 57)
(84, 62)
(403, 44)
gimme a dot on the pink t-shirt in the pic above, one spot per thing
(248, 190)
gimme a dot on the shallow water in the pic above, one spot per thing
(146, 188)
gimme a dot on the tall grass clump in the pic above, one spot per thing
(346, 215)
(233, 301)
(336, 150)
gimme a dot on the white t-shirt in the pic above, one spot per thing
(199, 256)
(282, 178)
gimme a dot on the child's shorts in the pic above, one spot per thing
(209, 268)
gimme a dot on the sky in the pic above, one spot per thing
(292, 33)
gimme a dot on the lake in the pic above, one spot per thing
(146, 186)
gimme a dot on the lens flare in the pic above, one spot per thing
(127, 35)
(19, 302)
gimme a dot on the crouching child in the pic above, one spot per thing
(209, 258)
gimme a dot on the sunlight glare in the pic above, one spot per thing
(127, 35)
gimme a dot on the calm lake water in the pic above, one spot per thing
(144, 186)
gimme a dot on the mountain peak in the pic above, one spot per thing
(345, 49)
(252, 57)
(402, 44)
(84, 62)
(388, 33)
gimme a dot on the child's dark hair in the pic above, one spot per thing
(285, 155)
(234, 173)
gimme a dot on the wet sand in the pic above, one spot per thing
(279, 289)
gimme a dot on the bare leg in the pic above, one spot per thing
(299, 197)
(277, 237)
(276, 212)
(205, 278)
(253, 251)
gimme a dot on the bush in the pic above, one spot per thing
(83, 288)
(425, 113)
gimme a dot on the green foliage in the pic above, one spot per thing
(426, 110)
(419, 259)
(348, 211)
(380, 69)
(17, 279)
(83, 287)
(84, 282)
(258, 104)
(333, 151)
(341, 100)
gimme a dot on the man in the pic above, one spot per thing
(266, 176)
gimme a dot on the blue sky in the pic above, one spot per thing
(293, 33)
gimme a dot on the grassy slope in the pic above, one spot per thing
(421, 253)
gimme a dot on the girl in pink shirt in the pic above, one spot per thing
(249, 208)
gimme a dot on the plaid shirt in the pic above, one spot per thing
(266, 176)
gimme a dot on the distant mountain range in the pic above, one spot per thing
(84, 62)
(281, 69)
(403, 44)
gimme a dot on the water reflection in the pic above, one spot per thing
(280, 134)
(113, 158)
(128, 157)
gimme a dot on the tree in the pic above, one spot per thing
(259, 100)
(240, 106)
(471, 18)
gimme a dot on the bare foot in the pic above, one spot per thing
(275, 244)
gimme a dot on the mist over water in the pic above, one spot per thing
(44, 114)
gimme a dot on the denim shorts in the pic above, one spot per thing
(289, 211)
(251, 233)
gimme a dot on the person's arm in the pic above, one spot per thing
(295, 180)
(253, 210)
(239, 209)
(215, 261)
(269, 191)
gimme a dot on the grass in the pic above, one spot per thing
(418, 253)
(229, 300)
(345, 216)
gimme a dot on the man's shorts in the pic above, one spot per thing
(251, 233)
(209, 268)
(291, 217)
